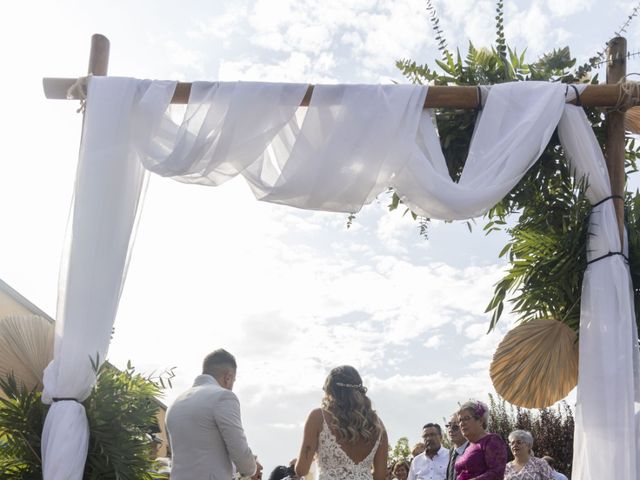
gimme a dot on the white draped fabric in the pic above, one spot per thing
(109, 182)
(607, 437)
(350, 144)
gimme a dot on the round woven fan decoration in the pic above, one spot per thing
(536, 364)
(632, 120)
(26, 348)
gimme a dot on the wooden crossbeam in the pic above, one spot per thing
(459, 97)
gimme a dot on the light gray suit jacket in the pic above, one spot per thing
(206, 435)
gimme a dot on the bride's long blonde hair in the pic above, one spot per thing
(346, 399)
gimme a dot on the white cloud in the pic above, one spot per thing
(397, 31)
(532, 28)
(436, 385)
(222, 26)
(184, 57)
(565, 8)
(433, 342)
(296, 67)
(483, 344)
(395, 229)
(479, 24)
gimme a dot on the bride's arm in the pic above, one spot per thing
(309, 442)
(381, 457)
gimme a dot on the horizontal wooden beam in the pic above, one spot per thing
(437, 97)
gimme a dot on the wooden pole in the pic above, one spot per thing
(615, 142)
(438, 96)
(99, 55)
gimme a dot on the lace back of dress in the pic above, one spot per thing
(335, 464)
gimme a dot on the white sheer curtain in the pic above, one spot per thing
(109, 183)
(606, 438)
(350, 144)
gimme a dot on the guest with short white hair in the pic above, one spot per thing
(524, 465)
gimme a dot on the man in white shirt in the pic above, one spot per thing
(432, 463)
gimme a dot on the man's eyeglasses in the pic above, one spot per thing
(453, 427)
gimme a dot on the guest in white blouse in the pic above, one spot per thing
(432, 463)
(524, 465)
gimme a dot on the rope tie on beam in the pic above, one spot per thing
(607, 255)
(610, 197)
(79, 90)
(610, 254)
(627, 95)
(479, 106)
(578, 99)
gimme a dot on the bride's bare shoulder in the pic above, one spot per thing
(315, 416)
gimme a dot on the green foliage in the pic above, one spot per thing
(552, 429)
(121, 411)
(401, 451)
(547, 257)
(547, 245)
(435, 22)
(21, 419)
(632, 215)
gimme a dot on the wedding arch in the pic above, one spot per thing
(335, 148)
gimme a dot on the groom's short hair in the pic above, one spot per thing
(219, 362)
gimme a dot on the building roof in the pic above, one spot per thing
(13, 303)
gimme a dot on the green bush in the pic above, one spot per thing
(552, 429)
(121, 411)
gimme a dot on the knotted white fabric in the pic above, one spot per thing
(606, 437)
(351, 143)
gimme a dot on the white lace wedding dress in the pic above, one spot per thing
(335, 464)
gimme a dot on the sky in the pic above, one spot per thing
(291, 293)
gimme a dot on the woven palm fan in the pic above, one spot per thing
(536, 364)
(26, 348)
(632, 120)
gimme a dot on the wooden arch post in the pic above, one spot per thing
(615, 141)
(99, 55)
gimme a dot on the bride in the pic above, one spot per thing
(345, 432)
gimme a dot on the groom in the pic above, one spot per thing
(204, 425)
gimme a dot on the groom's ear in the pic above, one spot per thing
(229, 379)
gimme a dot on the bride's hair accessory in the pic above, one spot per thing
(356, 386)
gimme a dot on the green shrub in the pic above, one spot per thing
(121, 411)
(552, 429)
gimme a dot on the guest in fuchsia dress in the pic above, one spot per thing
(486, 456)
